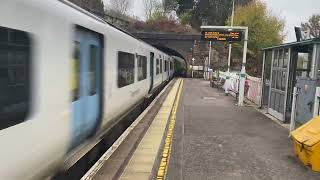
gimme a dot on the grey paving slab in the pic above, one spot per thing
(214, 139)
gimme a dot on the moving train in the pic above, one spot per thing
(66, 76)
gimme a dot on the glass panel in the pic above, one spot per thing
(161, 66)
(142, 68)
(157, 66)
(274, 75)
(14, 76)
(279, 78)
(76, 72)
(276, 101)
(285, 58)
(125, 69)
(93, 70)
(272, 100)
(303, 59)
(280, 58)
(275, 58)
(165, 66)
(284, 80)
(268, 60)
(4, 35)
(151, 64)
(281, 105)
(3, 58)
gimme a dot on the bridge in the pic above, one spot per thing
(176, 44)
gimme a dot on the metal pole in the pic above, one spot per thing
(243, 69)
(293, 110)
(230, 49)
(209, 59)
(316, 103)
(192, 67)
(230, 46)
(209, 54)
(192, 70)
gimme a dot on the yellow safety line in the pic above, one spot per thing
(168, 141)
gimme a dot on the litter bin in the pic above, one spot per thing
(306, 143)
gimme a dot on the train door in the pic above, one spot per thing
(87, 89)
(151, 71)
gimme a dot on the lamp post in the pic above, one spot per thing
(192, 67)
(230, 49)
(209, 58)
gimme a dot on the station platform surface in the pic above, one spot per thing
(212, 138)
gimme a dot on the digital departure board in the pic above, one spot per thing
(222, 35)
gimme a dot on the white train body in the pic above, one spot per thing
(42, 143)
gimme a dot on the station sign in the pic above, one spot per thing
(222, 35)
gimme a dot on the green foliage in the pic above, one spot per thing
(265, 29)
(157, 14)
(170, 5)
(185, 17)
(312, 26)
(214, 12)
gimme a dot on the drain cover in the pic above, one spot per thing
(208, 98)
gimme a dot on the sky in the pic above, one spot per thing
(137, 8)
(293, 11)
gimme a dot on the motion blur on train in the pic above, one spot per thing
(66, 76)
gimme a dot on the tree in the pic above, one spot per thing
(121, 6)
(94, 6)
(265, 29)
(169, 5)
(150, 6)
(312, 26)
(214, 12)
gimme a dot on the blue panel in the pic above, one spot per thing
(86, 109)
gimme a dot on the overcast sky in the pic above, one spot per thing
(293, 11)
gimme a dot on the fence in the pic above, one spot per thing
(254, 91)
(252, 87)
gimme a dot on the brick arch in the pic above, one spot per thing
(173, 42)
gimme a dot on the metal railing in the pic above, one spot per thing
(252, 86)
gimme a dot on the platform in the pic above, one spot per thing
(212, 138)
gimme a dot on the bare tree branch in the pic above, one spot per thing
(149, 7)
(312, 26)
(121, 6)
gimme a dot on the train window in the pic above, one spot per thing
(93, 70)
(165, 66)
(76, 71)
(125, 69)
(157, 66)
(142, 67)
(171, 67)
(161, 66)
(15, 62)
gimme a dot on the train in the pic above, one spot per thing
(66, 77)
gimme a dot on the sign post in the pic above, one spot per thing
(192, 67)
(222, 35)
(230, 34)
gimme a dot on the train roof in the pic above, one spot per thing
(101, 20)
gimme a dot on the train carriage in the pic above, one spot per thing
(66, 76)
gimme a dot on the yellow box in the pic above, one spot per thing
(306, 143)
